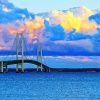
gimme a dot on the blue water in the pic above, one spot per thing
(49, 86)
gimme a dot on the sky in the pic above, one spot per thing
(38, 6)
(75, 32)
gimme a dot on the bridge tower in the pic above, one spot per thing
(20, 50)
(39, 57)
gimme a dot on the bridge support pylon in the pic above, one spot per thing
(20, 49)
(39, 58)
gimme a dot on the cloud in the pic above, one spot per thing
(10, 13)
(96, 18)
(35, 27)
(74, 31)
(84, 43)
(6, 10)
(79, 59)
(76, 18)
(54, 32)
(74, 47)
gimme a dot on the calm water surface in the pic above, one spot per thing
(49, 86)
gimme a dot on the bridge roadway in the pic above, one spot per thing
(47, 68)
(11, 62)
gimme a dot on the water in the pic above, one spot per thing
(49, 86)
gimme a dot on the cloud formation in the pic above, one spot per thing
(69, 20)
(73, 31)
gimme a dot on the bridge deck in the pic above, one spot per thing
(11, 62)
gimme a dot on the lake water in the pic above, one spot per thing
(49, 86)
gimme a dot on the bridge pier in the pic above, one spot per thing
(49, 70)
(22, 67)
(1, 67)
(39, 69)
(5, 68)
(16, 68)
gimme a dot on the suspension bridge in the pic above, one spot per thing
(20, 59)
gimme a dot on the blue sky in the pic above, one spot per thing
(37, 6)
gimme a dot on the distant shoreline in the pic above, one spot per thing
(59, 70)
